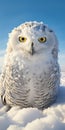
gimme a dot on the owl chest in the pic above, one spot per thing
(25, 73)
(26, 82)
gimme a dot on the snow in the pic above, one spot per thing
(52, 118)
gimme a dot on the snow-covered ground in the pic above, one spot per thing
(52, 118)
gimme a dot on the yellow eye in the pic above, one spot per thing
(42, 39)
(22, 39)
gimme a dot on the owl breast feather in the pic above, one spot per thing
(31, 84)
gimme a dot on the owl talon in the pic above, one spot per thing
(3, 99)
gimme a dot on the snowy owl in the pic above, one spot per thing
(30, 75)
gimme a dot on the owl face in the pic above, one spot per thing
(32, 41)
(31, 38)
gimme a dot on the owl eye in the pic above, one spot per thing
(42, 39)
(22, 39)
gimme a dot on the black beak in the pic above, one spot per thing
(32, 48)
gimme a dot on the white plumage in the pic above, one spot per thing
(30, 76)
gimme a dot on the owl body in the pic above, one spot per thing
(31, 71)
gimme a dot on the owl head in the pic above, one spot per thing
(33, 38)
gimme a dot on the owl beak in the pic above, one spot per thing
(32, 48)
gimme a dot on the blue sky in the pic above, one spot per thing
(51, 12)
